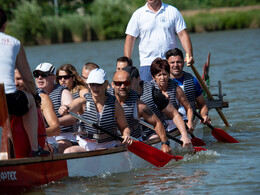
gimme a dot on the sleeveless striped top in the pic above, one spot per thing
(171, 91)
(128, 107)
(147, 98)
(107, 119)
(55, 97)
(189, 89)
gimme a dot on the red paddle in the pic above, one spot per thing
(196, 141)
(219, 134)
(196, 149)
(151, 154)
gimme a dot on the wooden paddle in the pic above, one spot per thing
(219, 134)
(151, 154)
(196, 149)
(205, 88)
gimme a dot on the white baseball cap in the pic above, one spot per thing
(45, 67)
(97, 75)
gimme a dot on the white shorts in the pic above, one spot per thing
(89, 144)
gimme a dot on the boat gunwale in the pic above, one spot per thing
(58, 157)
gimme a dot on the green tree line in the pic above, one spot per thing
(41, 22)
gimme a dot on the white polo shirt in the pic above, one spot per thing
(156, 31)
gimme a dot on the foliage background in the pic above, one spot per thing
(36, 22)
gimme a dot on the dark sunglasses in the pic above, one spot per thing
(119, 83)
(64, 77)
(42, 74)
(95, 85)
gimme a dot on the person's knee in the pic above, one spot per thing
(63, 144)
(74, 149)
(68, 150)
(153, 136)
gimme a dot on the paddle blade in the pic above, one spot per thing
(151, 154)
(222, 136)
(197, 142)
(198, 149)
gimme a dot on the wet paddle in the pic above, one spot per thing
(151, 154)
(196, 149)
(219, 134)
(196, 141)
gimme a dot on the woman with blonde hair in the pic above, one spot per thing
(68, 76)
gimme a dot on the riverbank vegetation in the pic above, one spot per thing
(38, 22)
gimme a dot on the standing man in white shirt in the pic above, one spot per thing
(155, 24)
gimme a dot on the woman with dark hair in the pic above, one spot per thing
(68, 76)
(160, 71)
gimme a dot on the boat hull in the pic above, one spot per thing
(29, 172)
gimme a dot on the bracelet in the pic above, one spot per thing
(167, 143)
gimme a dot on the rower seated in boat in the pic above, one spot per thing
(101, 108)
(188, 83)
(135, 109)
(50, 119)
(44, 75)
(158, 103)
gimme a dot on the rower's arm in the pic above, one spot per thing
(181, 97)
(50, 116)
(203, 109)
(129, 45)
(25, 71)
(145, 112)
(122, 123)
(66, 99)
(171, 112)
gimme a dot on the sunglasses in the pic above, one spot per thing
(64, 77)
(119, 83)
(42, 74)
(95, 85)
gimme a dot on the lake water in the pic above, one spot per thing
(224, 168)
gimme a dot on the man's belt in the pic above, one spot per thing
(87, 135)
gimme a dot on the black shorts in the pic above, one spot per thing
(17, 103)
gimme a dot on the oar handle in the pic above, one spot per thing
(205, 88)
(97, 126)
(192, 135)
(168, 135)
(201, 118)
(175, 139)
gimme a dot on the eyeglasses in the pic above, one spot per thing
(119, 83)
(95, 85)
(64, 77)
(42, 74)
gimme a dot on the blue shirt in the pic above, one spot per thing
(198, 88)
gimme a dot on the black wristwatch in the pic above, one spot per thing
(167, 143)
